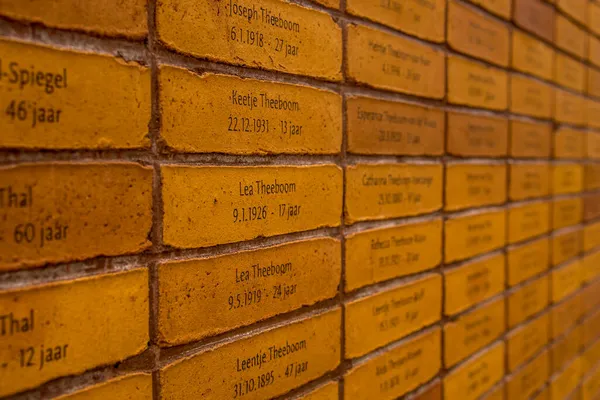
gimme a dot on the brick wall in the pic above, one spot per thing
(307, 200)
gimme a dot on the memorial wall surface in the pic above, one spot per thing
(318, 200)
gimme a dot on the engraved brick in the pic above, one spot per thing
(472, 185)
(525, 341)
(473, 330)
(564, 315)
(477, 136)
(425, 20)
(530, 139)
(566, 245)
(472, 283)
(473, 33)
(59, 99)
(569, 37)
(474, 84)
(379, 319)
(528, 221)
(529, 180)
(49, 327)
(384, 378)
(246, 116)
(569, 72)
(385, 127)
(531, 55)
(566, 212)
(535, 16)
(56, 212)
(379, 191)
(528, 260)
(476, 376)
(530, 97)
(526, 381)
(269, 34)
(528, 300)
(565, 280)
(376, 255)
(567, 178)
(565, 349)
(242, 288)
(391, 62)
(569, 143)
(475, 234)
(246, 202)
(111, 17)
(286, 357)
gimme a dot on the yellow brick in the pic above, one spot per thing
(269, 34)
(385, 127)
(565, 280)
(566, 382)
(330, 3)
(525, 341)
(569, 143)
(528, 300)
(575, 8)
(472, 185)
(593, 82)
(565, 349)
(49, 328)
(569, 72)
(470, 235)
(425, 20)
(472, 331)
(242, 288)
(392, 62)
(591, 267)
(397, 371)
(76, 101)
(473, 33)
(379, 191)
(246, 116)
(240, 203)
(569, 37)
(544, 394)
(566, 212)
(530, 97)
(501, 8)
(329, 391)
(477, 136)
(528, 221)
(54, 212)
(564, 315)
(591, 355)
(528, 260)
(283, 358)
(591, 236)
(531, 55)
(379, 254)
(566, 245)
(526, 381)
(475, 377)
(591, 174)
(567, 178)
(594, 17)
(593, 113)
(497, 393)
(379, 319)
(529, 180)
(472, 283)
(593, 54)
(131, 387)
(589, 297)
(111, 17)
(591, 385)
(593, 146)
(474, 84)
(591, 328)
(530, 139)
(432, 391)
